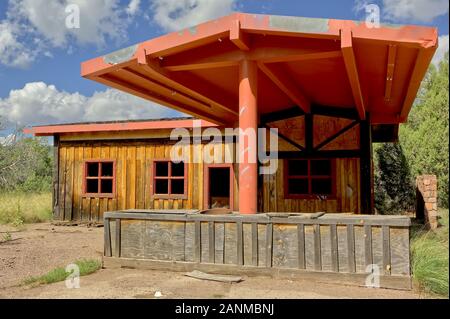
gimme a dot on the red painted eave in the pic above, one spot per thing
(301, 61)
(50, 130)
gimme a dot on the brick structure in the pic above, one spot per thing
(426, 200)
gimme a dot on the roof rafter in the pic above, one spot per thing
(146, 94)
(238, 37)
(352, 71)
(164, 76)
(207, 60)
(282, 80)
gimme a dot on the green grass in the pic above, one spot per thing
(19, 208)
(430, 258)
(87, 266)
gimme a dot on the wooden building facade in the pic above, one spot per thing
(114, 166)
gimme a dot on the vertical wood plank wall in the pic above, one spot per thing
(347, 198)
(133, 178)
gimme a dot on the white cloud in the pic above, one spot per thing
(133, 7)
(38, 103)
(441, 50)
(407, 10)
(173, 15)
(12, 52)
(33, 27)
(420, 10)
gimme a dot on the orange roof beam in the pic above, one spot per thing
(423, 60)
(165, 77)
(392, 54)
(150, 96)
(282, 80)
(352, 71)
(238, 37)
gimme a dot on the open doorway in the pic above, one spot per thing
(219, 186)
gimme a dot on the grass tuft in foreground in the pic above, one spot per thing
(87, 266)
(18, 208)
(430, 258)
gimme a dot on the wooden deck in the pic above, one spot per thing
(332, 247)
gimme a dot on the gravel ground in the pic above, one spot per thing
(42, 247)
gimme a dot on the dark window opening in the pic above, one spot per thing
(169, 178)
(92, 169)
(162, 186)
(92, 186)
(162, 169)
(309, 177)
(107, 169)
(106, 186)
(99, 178)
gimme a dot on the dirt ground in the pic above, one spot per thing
(41, 247)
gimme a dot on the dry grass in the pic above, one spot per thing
(20, 208)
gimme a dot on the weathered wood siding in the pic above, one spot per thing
(133, 177)
(346, 199)
(333, 243)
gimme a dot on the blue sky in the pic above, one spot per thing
(40, 58)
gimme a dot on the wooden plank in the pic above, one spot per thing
(197, 239)
(317, 248)
(351, 248)
(334, 248)
(254, 244)
(269, 244)
(239, 244)
(118, 237)
(211, 244)
(68, 193)
(400, 252)
(386, 250)
(55, 178)
(107, 234)
(301, 246)
(368, 245)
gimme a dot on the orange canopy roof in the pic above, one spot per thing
(302, 62)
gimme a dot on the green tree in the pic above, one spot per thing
(425, 137)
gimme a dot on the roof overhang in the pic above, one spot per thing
(302, 62)
(118, 126)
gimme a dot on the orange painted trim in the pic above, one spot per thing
(112, 127)
(415, 36)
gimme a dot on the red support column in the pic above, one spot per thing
(248, 124)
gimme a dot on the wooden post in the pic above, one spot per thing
(366, 167)
(248, 123)
(55, 177)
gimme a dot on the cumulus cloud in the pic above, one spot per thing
(173, 15)
(441, 50)
(407, 10)
(133, 7)
(420, 10)
(38, 103)
(42, 24)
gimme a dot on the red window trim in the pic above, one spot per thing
(99, 178)
(309, 177)
(206, 183)
(169, 177)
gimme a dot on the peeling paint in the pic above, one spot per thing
(193, 30)
(299, 24)
(121, 55)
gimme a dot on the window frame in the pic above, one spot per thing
(169, 177)
(309, 178)
(99, 178)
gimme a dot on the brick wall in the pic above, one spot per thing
(426, 200)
